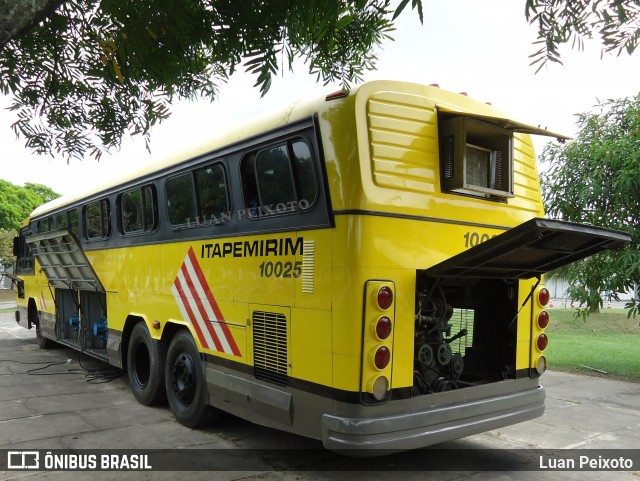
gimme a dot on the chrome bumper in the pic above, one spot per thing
(418, 426)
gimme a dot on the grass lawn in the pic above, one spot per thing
(607, 341)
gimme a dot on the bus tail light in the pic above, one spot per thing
(381, 357)
(539, 341)
(378, 325)
(383, 328)
(543, 319)
(542, 342)
(385, 298)
(543, 296)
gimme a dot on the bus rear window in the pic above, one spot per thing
(476, 158)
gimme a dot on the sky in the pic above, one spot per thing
(481, 48)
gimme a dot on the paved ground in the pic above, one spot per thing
(61, 407)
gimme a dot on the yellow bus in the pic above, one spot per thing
(363, 268)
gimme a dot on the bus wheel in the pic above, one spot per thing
(185, 383)
(145, 366)
(34, 319)
(43, 342)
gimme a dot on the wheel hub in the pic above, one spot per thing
(184, 379)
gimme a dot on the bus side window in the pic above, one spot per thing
(275, 179)
(212, 191)
(305, 174)
(61, 220)
(73, 221)
(98, 219)
(181, 201)
(131, 209)
(279, 176)
(249, 184)
(150, 208)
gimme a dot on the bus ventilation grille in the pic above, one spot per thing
(270, 347)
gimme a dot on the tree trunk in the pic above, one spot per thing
(17, 17)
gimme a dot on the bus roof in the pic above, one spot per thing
(445, 100)
(156, 163)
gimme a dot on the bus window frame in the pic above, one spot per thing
(167, 180)
(191, 172)
(288, 142)
(154, 208)
(101, 202)
(222, 164)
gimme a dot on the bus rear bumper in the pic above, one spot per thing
(416, 428)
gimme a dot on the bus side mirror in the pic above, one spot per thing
(16, 246)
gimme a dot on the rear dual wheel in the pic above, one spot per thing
(185, 383)
(145, 366)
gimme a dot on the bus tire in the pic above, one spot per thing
(145, 366)
(185, 383)
(43, 342)
(34, 319)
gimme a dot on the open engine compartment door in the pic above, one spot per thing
(470, 328)
(63, 261)
(529, 250)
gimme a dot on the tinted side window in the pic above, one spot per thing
(181, 200)
(132, 217)
(212, 191)
(73, 222)
(97, 220)
(138, 209)
(281, 175)
(61, 220)
(305, 174)
(43, 225)
(150, 208)
(273, 172)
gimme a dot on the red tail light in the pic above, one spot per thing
(543, 296)
(543, 319)
(542, 342)
(383, 328)
(382, 357)
(385, 298)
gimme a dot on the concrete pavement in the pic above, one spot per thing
(62, 406)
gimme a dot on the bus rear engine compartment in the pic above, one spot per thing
(465, 333)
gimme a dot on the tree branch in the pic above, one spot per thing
(18, 16)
